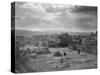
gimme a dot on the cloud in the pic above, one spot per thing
(42, 16)
(87, 22)
(85, 9)
(34, 15)
(86, 17)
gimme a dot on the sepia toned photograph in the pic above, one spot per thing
(49, 37)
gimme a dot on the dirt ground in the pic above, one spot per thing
(72, 61)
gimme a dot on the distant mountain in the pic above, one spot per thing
(33, 33)
(79, 33)
(29, 33)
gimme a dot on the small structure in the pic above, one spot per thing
(30, 49)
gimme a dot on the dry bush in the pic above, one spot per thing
(57, 53)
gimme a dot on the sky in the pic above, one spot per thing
(55, 17)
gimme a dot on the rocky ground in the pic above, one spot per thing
(72, 61)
